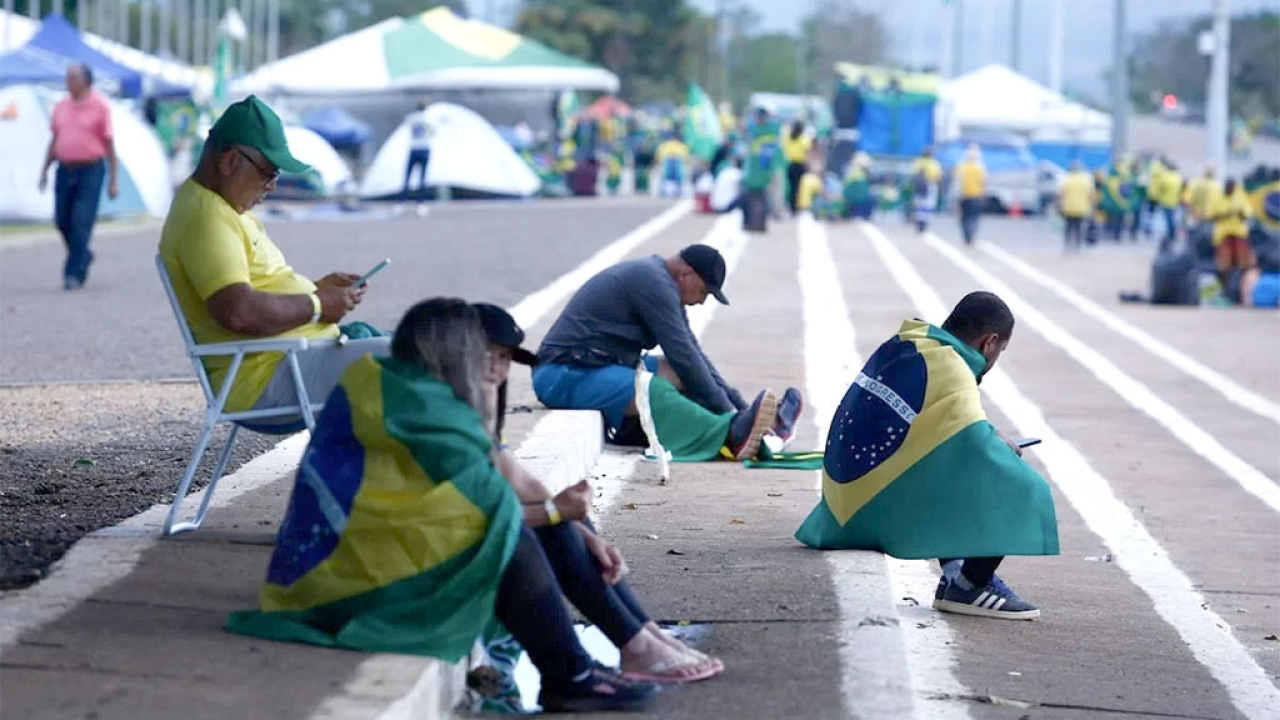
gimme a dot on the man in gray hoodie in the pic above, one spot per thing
(587, 360)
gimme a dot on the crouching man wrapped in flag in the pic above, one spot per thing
(913, 468)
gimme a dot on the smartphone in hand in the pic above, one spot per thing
(364, 279)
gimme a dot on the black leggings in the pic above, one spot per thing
(612, 608)
(795, 171)
(978, 571)
(530, 601)
(532, 608)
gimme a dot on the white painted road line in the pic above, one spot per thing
(1138, 395)
(1135, 550)
(530, 310)
(892, 668)
(1230, 389)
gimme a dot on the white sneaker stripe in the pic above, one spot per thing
(982, 598)
(999, 604)
(991, 601)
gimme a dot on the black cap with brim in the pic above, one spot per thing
(252, 123)
(501, 329)
(709, 264)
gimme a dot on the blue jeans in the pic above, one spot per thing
(609, 389)
(77, 189)
(418, 159)
(970, 209)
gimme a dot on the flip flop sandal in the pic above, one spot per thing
(659, 673)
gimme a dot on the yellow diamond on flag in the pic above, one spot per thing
(475, 38)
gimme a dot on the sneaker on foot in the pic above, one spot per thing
(789, 409)
(750, 424)
(996, 600)
(949, 572)
(602, 690)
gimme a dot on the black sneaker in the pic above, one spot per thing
(602, 691)
(750, 425)
(996, 600)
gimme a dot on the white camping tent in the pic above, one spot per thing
(144, 180)
(310, 148)
(466, 153)
(997, 98)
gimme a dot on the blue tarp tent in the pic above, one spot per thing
(55, 46)
(338, 127)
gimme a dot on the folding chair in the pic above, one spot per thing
(215, 403)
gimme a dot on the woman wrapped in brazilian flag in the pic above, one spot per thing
(402, 536)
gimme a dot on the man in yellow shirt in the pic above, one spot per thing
(795, 148)
(672, 156)
(1166, 192)
(1199, 196)
(1075, 203)
(972, 178)
(234, 284)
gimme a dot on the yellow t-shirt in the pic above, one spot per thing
(1231, 215)
(810, 187)
(931, 168)
(207, 246)
(973, 178)
(1076, 199)
(671, 149)
(1201, 193)
(797, 150)
(1166, 187)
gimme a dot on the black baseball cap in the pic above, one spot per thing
(709, 264)
(501, 329)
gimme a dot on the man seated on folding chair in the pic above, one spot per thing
(234, 284)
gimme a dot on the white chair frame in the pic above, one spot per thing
(215, 403)
(644, 378)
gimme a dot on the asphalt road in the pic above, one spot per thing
(1163, 602)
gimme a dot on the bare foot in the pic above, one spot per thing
(648, 657)
(674, 642)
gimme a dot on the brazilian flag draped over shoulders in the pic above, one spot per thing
(913, 468)
(399, 526)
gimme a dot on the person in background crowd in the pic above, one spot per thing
(1166, 194)
(795, 147)
(82, 143)
(1231, 250)
(857, 188)
(808, 191)
(672, 158)
(926, 174)
(1198, 197)
(726, 192)
(421, 133)
(972, 177)
(1075, 203)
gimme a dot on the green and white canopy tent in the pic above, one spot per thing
(435, 50)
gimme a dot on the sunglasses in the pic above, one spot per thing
(269, 176)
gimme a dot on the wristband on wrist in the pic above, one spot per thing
(315, 307)
(553, 513)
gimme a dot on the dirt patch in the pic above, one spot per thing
(76, 458)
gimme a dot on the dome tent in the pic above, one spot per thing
(467, 154)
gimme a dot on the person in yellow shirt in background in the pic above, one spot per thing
(926, 174)
(795, 147)
(672, 157)
(1198, 197)
(971, 176)
(1166, 192)
(233, 283)
(1231, 250)
(1076, 201)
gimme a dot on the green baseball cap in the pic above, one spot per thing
(250, 122)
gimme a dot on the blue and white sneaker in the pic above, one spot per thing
(996, 600)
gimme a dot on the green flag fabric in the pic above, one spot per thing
(702, 131)
(913, 468)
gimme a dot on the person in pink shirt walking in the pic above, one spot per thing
(83, 147)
